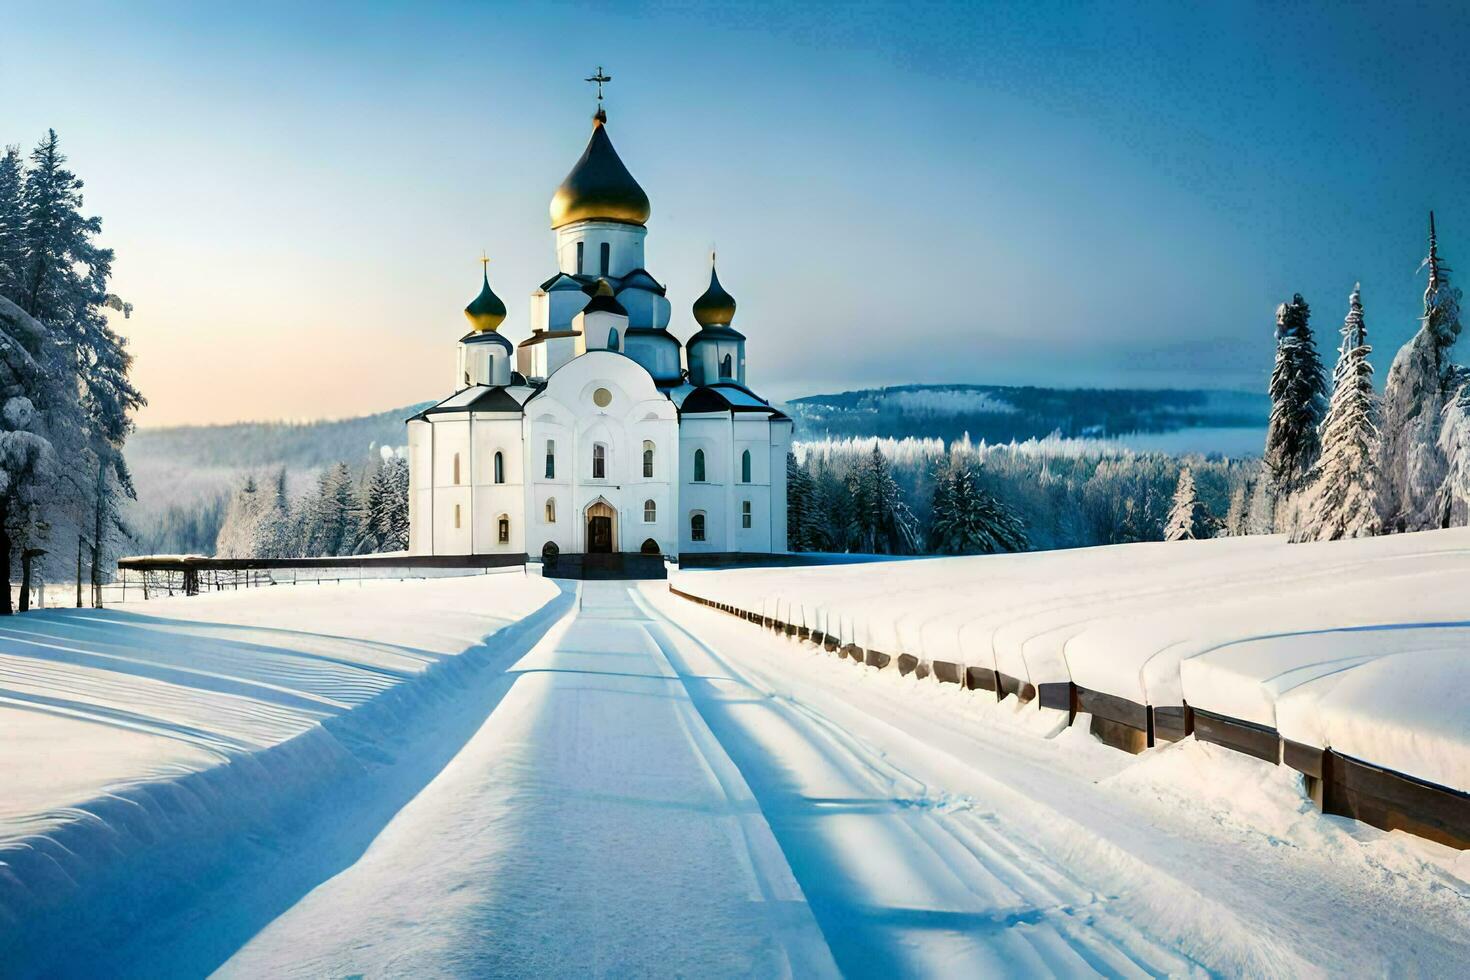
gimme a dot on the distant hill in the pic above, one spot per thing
(998, 413)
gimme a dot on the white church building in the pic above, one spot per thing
(599, 433)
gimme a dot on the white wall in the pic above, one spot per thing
(566, 412)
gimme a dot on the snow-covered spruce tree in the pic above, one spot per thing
(335, 516)
(385, 524)
(238, 533)
(882, 523)
(1237, 514)
(27, 457)
(12, 221)
(967, 519)
(1188, 517)
(800, 494)
(1421, 384)
(63, 284)
(1298, 400)
(1341, 499)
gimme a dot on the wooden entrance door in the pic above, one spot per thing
(599, 535)
(600, 529)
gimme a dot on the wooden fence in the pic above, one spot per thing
(1338, 784)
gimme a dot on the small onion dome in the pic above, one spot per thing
(604, 300)
(716, 307)
(599, 187)
(486, 311)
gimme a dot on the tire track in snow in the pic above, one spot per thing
(968, 896)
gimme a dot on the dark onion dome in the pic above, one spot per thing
(716, 307)
(599, 188)
(486, 311)
(604, 301)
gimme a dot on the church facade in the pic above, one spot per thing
(599, 433)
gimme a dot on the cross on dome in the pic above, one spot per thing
(599, 78)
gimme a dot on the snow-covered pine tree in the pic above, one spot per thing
(238, 532)
(385, 525)
(800, 502)
(1298, 400)
(1188, 517)
(63, 284)
(275, 535)
(335, 515)
(12, 222)
(967, 518)
(1237, 514)
(882, 522)
(27, 457)
(1422, 383)
(1341, 500)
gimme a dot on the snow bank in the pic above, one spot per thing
(138, 736)
(1226, 625)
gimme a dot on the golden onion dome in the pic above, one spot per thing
(599, 188)
(715, 307)
(486, 311)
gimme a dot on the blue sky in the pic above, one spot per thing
(1094, 195)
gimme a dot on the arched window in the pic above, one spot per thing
(504, 523)
(726, 367)
(456, 516)
(745, 467)
(550, 459)
(612, 338)
(580, 247)
(699, 466)
(599, 461)
(605, 257)
(456, 469)
(745, 514)
(696, 526)
(650, 512)
(550, 510)
(647, 459)
(499, 467)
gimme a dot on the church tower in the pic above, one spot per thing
(484, 354)
(717, 351)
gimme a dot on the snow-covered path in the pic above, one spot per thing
(635, 805)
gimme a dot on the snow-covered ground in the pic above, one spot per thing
(627, 783)
(1348, 645)
(666, 790)
(145, 737)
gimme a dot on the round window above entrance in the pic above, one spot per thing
(602, 398)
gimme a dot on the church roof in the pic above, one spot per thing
(563, 280)
(713, 333)
(475, 398)
(486, 337)
(727, 396)
(599, 187)
(603, 301)
(542, 336)
(637, 279)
